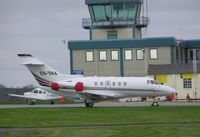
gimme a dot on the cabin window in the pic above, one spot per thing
(89, 56)
(113, 84)
(125, 84)
(101, 83)
(187, 83)
(107, 83)
(119, 83)
(95, 83)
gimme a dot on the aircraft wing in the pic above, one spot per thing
(35, 97)
(19, 96)
(100, 94)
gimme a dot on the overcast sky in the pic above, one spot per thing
(38, 27)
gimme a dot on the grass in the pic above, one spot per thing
(112, 122)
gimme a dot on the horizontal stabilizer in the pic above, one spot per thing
(28, 59)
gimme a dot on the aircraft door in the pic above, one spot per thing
(107, 84)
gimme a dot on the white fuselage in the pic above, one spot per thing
(93, 88)
(119, 87)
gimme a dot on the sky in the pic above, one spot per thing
(38, 27)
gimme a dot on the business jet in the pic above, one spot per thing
(37, 94)
(93, 89)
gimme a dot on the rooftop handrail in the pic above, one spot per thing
(143, 21)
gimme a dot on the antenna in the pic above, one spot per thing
(146, 30)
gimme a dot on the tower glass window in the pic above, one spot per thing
(89, 56)
(99, 12)
(112, 34)
(113, 11)
(103, 55)
(114, 55)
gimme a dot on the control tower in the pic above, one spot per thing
(115, 19)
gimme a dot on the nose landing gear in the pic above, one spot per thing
(89, 104)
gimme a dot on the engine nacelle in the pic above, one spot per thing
(55, 86)
(79, 87)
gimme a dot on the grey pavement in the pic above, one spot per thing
(102, 104)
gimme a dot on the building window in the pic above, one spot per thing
(140, 54)
(198, 54)
(128, 54)
(187, 83)
(103, 55)
(114, 55)
(191, 55)
(153, 53)
(89, 56)
(112, 34)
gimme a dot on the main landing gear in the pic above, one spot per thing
(155, 104)
(31, 102)
(89, 104)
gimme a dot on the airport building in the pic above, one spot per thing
(116, 48)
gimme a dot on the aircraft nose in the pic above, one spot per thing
(171, 90)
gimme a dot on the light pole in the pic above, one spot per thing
(68, 54)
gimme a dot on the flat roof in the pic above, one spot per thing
(90, 2)
(191, 43)
(128, 43)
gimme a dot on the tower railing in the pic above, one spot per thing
(116, 22)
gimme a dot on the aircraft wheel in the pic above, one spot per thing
(31, 103)
(89, 104)
(155, 104)
(52, 102)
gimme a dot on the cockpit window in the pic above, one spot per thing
(152, 82)
(156, 83)
(35, 91)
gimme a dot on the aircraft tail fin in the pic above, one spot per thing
(44, 74)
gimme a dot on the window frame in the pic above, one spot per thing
(100, 56)
(150, 56)
(87, 58)
(187, 83)
(110, 34)
(143, 52)
(112, 55)
(125, 54)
